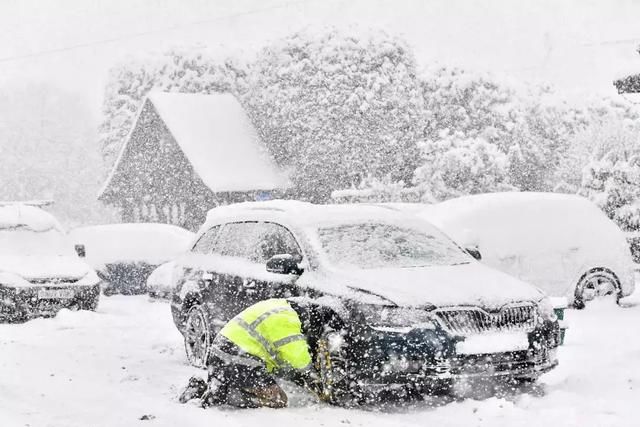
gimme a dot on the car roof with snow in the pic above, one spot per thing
(26, 217)
(533, 203)
(145, 242)
(303, 214)
(139, 228)
(513, 198)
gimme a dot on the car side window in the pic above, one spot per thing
(205, 243)
(238, 239)
(273, 240)
(255, 241)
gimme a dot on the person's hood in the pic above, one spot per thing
(463, 284)
(36, 268)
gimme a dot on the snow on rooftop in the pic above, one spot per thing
(217, 137)
(21, 215)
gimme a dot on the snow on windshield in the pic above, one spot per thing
(369, 246)
(24, 241)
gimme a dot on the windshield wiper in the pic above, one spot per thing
(366, 291)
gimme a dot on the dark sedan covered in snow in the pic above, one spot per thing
(408, 307)
(40, 272)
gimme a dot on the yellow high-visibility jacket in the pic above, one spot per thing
(271, 331)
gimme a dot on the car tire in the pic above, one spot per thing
(595, 284)
(90, 304)
(524, 380)
(335, 385)
(197, 336)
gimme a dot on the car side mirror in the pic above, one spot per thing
(284, 264)
(81, 251)
(474, 252)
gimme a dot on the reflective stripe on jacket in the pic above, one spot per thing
(270, 330)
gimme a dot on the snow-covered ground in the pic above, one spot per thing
(126, 361)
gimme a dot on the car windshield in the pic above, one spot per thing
(371, 245)
(23, 241)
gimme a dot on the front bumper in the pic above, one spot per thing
(517, 364)
(126, 278)
(422, 357)
(23, 303)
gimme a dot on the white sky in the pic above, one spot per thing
(578, 45)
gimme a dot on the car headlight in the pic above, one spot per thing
(396, 317)
(546, 310)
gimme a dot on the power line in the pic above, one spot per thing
(147, 33)
(610, 42)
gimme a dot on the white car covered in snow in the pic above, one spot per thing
(40, 272)
(564, 244)
(124, 255)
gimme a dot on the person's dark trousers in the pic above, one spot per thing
(234, 377)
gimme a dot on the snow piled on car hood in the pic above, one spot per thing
(464, 284)
(44, 267)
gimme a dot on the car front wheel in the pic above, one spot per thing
(596, 284)
(197, 336)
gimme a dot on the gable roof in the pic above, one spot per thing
(218, 139)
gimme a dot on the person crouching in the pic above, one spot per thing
(261, 341)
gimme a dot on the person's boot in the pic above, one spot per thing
(216, 394)
(272, 396)
(195, 389)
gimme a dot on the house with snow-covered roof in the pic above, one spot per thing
(185, 154)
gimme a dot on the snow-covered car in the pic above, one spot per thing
(160, 282)
(124, 255)
(564, 244)
(40, 273)
(409, 307)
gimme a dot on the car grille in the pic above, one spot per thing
(474, 320)
(54, 281)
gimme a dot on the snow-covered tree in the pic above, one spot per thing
(528, 130)
(455, 165)
(381, 190)
(336, 108)
(192, 71)
(611, 178)
(462, 102)
(539, 142)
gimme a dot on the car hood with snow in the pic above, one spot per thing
(471, 283)
(34, 250)
(38, 269)
(408, 262)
